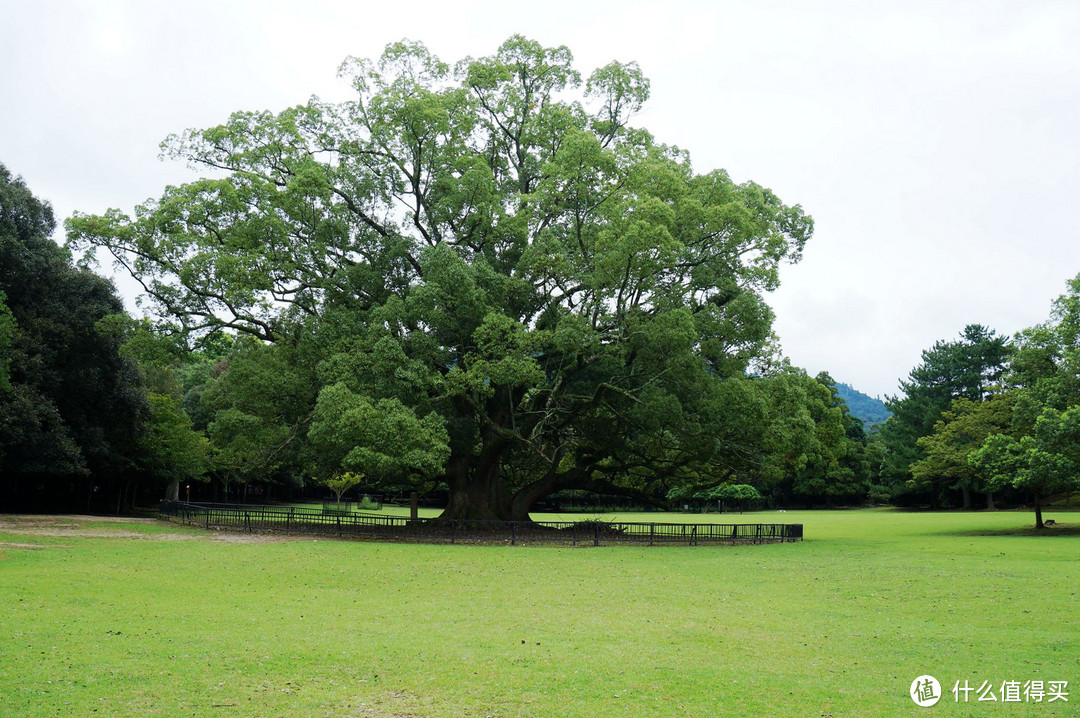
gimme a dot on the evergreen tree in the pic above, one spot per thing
(967, 368)
(71, 407)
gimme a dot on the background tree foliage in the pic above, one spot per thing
(961, 430)
(490, 245)
(837, 467)
(968, 368)
(1039, 453)
(71, 407)
(1011, 425)
(340, 483)
(169, 449)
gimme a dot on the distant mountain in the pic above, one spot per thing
(870, 410)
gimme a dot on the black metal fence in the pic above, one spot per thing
(292, 520)
(369, 502)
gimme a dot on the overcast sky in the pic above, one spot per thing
(934, 143)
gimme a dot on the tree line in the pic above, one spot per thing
(990, 415)
(479, 279)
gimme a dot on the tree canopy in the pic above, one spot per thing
(489, 246)
(71, 406)
(967, 368)
(1039, 451)
(1012, 422)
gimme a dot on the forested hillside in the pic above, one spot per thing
(870, 410)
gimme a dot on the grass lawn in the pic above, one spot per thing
(134, 618)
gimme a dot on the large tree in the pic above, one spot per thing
(1044, 462)
(488, 243)
(71, 407)
(967, 368)
(7, 333)
(961, 430)
(1040, 451)
(837, 466)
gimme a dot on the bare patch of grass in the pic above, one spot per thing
(120, 528)
(12, 544)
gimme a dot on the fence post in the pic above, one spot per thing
(208, 517)
(513, 533)
(574, 534)
(652, 532)
(596, 534)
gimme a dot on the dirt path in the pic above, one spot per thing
(80, 526)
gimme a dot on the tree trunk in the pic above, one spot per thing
(477, 491)
(124, 504)
(172, 493)
(1038, 513)
(478, 500)
(990, 500)
(967, 496)
(479, 495)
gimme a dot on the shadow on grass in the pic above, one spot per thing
(1053, 530)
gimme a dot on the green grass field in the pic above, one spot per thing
(130, 618)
